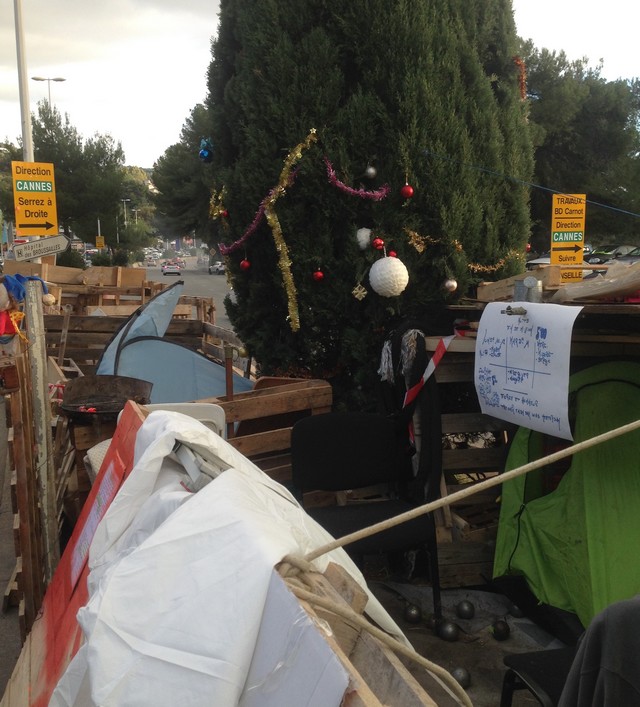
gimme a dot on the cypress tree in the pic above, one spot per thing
(397, 92)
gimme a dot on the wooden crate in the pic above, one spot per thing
(86, 337)
(259, 421)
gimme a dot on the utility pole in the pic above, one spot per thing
(25, 113)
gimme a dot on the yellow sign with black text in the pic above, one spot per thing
(567, 235)
(34, 199)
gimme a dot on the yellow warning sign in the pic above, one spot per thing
(567, 234)
(34, 199)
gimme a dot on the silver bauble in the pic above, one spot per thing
(371, 172)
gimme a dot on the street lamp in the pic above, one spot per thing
(135, 212)
(124, 203)
(48, 80)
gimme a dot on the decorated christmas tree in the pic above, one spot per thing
(369, 162)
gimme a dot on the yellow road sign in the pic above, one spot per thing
(34, 199)
(99, 241)
(567, 234)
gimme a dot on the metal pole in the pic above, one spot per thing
(27, 139)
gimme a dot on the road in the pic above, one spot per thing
(198, 283)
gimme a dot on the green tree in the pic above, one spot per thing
(89, 174)
(585, 132)
(139, 229)
(398, 91)
(182, 182)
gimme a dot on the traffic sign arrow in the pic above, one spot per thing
(46, 225)
(575, 248)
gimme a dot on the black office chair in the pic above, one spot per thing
(543, 673)
(350, 451)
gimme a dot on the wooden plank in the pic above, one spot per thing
(11, 594)
(465, 563)
(472, 574)
(471, 422)
(474, 459)
(44, 472)
(339, 587)
(275, 401)
(388, 678)
(263, 442)
(450, 370)
(25, 510)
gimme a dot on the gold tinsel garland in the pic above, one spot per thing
(216, 205)
(420, 244)
(284, 261)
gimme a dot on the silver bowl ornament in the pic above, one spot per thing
(388, 276)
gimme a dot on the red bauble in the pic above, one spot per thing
(377, 243)
(407, 191)
(392, 254)
(318, 275)
(224, 214)
(245, 264)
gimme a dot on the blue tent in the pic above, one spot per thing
(178, 374)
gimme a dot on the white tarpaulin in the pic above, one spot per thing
(184, 604)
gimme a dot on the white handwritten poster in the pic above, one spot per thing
(522, 364)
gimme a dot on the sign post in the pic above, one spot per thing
(567, 235)
(51, 245)
(34, 199)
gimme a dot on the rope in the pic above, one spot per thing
(439, 674)
(481, 486)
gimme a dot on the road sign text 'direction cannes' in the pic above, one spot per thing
(567, 234)
(34, 199)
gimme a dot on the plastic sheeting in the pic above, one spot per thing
(577, 544)
(184, 604)
(151, 319)
(178, 374)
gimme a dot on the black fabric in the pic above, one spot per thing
(426, 483)
(350, 451)
(411, 534)
(336, 451)
(541, 672)
(606, 669)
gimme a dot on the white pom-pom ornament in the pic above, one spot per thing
(388, 277)
(363, 236)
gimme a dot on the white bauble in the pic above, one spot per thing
(363, 236)
(388, 277)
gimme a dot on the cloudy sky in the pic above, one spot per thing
(590, 28)
(135, 68)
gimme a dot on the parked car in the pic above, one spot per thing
(218, 268)
(171, 269)
(633, 256)
(604, 253)
(544, 259)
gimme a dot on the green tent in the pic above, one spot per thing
(573, 529)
